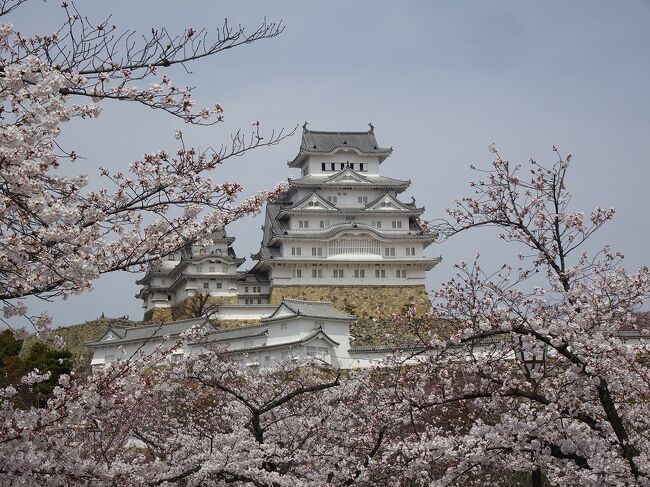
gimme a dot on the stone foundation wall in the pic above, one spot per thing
(361, 301)
(222, 324)
(185, 309)
(371, 305)
(158, 315)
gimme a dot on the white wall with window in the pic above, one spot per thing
(326, 165)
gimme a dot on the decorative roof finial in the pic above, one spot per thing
(372, 128)
(304, 127)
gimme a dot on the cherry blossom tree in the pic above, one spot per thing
(57, 236)
(536, 377)
(551, 386)
(535, 382)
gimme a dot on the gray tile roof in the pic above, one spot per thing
(373, 180)
(266, 253)
(313, 309)
(249, 331)
(148, 332)
(253, 277)
(321, 142)
(308, 337)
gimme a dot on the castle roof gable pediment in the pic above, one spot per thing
(313, 202)
(347, 175)
(389, 202)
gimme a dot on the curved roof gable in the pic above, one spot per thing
(348, 175)
(389, 202)
(312, 202)
(291, 308)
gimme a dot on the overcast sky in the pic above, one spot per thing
(439, 80)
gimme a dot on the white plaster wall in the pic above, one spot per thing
(314, 163)
(283, 273)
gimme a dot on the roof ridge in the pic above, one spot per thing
(363, 132)
(170, 322)
(308, 301)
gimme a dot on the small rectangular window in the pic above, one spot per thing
(342, 165)
(332, 166)
(219, 285)
(206, 285)
(352, 166)
(199, 268)
(323, 167)
(361, 166)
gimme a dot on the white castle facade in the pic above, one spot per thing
(339, 227)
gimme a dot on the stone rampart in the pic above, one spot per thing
(361, 301)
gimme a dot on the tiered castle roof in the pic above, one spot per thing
(319, 142)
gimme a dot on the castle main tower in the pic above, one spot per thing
(340, 233)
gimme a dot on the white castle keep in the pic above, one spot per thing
(339, 229)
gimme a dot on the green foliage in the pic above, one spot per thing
(9, 346)
(41, 357)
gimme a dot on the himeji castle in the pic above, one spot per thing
(339, 233)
